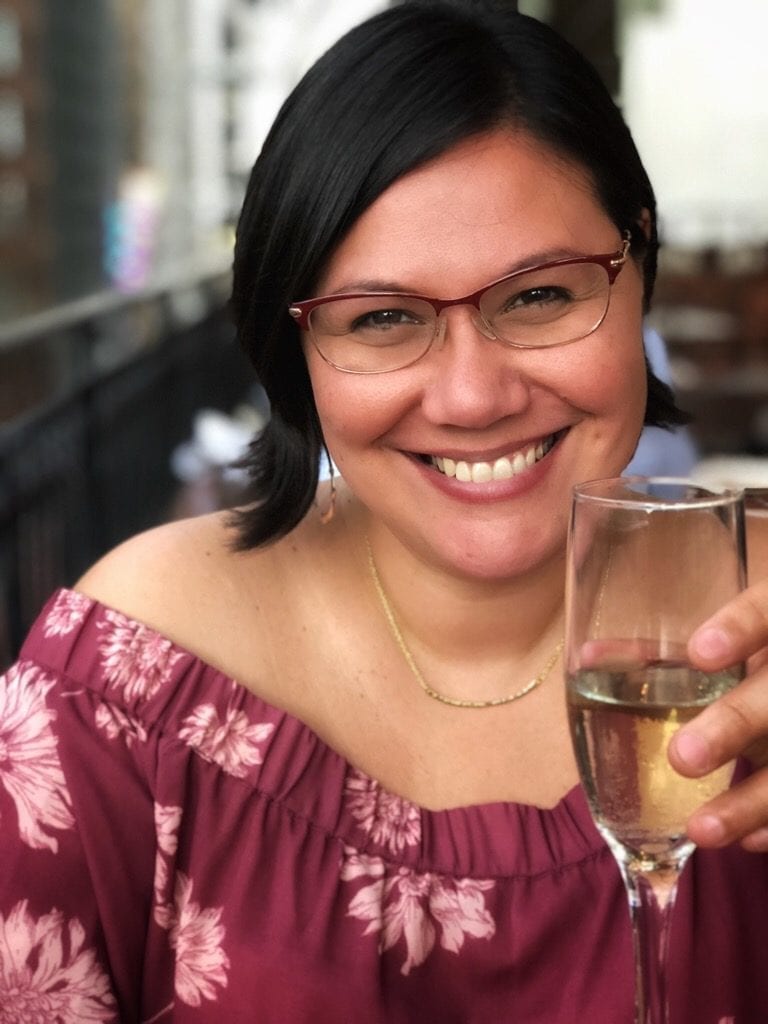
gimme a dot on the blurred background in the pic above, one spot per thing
(127, 131)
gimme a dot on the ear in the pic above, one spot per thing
(644, 221)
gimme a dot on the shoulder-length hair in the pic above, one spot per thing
(393, 93)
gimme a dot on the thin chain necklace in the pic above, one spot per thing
(430, 691)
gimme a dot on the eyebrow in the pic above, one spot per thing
(377, 285)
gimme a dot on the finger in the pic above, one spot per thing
(724, 730)
(734, 633)
(757, 841)
(741, 813)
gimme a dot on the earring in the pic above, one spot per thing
(327, 516)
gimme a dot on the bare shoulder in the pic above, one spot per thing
(184, 579)
(251, 614)
(145, 566)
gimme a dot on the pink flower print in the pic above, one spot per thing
(411, 906)
(167, 821)
(69, 610)
(368, 904)
(163, 912)
(196, 935)
(389, 820)
(231, 743)
(134, 657)
(357, 865)
(405, 914)
(115, 722)
(46, 975)
(459, 906)
(30, 769)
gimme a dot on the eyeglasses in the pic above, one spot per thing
(539, 307)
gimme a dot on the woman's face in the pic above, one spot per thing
(489, 206)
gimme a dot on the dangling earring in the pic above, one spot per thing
(327, 516)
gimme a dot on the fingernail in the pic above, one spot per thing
(757, 841)
(693, 750)
(712, 643)
(709, 829)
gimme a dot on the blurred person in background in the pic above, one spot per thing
(309, 761)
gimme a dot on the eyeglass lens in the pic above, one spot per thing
(539, 308)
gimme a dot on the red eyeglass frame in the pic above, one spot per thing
(611, 262)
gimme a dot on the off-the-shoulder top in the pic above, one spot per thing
(174, 849)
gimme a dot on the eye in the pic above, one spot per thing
(368, 320)
(385, 319)
(541, 295)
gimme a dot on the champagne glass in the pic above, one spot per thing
(649, 559)
(755, 514)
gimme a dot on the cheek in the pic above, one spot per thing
(610, 379)
(615, 398)
(616, 391)
(354, 410)
(629, 383)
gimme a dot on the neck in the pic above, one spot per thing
(456, 615)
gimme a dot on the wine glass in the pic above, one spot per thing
(649, 559)
(755, 514)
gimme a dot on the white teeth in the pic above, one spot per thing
(502, 469)
(482, 472)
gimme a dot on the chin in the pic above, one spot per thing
(496, 558)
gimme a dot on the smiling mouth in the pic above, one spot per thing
(505, 468)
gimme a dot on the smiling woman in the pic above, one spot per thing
(512, 403)
(328, 730)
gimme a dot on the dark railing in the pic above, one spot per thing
(88, 468)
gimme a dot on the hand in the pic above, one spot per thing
(735, 725)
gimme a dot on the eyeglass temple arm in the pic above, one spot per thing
(618, 261)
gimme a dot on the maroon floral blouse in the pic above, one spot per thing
(173, 849)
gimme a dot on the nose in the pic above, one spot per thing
(475, 380)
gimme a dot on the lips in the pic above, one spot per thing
(504, 468)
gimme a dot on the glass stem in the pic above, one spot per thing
(651, 899)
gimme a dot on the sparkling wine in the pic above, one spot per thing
(622, 721)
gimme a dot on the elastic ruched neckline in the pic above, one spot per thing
(172, 687)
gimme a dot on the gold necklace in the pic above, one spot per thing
(430, 691)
